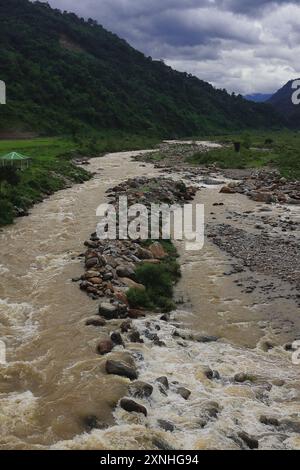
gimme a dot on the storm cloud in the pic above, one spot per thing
(244, 46)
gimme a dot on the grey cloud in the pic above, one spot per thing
(246, 46)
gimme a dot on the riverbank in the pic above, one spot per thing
(56, 163)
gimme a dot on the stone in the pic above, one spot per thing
(269, 420)
(105, 347)
(132, 407)
(117, 338)
(95, 280)
(227, 190)
(95, 321)
(135, 313)
(250, 441)
(140, 389)
(121, 369)
(244, 377)
(157, 251)
(163, 381)
(265, 197)
(184, 392)
(135, 337)
(125, 271)
(132, 284)
(126, 326)
(143, 253)
(110, 311)
(165, 317)
(166, 425)
(91, 262)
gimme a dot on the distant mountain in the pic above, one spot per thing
(258, 97)
(283, 104)
(67, 74)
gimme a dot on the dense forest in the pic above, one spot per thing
(64, 73)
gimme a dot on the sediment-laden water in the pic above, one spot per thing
(53, 380)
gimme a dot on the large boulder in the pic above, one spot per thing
(125, 271)
(105, 347)
(132, 406)
(111, 311)
(122, 369)
(140, 389)
(157, 250)
(132, 284)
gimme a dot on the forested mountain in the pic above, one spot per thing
(258, 97)
(283, 104)
(64, 73)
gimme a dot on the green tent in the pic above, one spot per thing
(14, 159)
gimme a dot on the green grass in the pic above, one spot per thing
(279, 150)
(51, 167)
(159, 281)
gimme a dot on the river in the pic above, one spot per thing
(53, 380)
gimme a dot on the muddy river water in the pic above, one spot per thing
(53, 380)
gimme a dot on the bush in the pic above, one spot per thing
(6, 212)
(138, 298)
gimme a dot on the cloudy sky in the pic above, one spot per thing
(245, 46)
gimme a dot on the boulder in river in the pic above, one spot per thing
(95, 321)
(166, 425)
(132, 406)
(250, 441)
(122, 369)
(184, 392)
(140, 389)
(163, 381)
(105, 347)
(111, 311)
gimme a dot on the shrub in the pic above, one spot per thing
(6, 212)
(138, 298)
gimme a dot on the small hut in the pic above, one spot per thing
(15, 159)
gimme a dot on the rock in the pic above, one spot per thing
(208, 373)
(265, 197)
(95, 321)
(206, 338)
(227, 190)
(132, 407)
(91, 262)
(244, 377)
(135, 337)
(166, 425)
(291, 425)
(161, 444)
(117, 338)
(184, 392)
(105, 347)
(142, 253)
(110, 311)
(95, 280)
(126, 326)
(125, 271)
(132, 284)
(269, 420)
(122, 369)
(163, 381)
(91, 422)
(135, 313)
(211, 409)
(250, 441)
(157, 251)
(165, 317)
(140, 389)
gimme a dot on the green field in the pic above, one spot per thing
(279, 150)
(52, 167)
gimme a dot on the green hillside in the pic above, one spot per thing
(64, 74)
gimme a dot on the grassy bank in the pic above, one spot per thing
(279, 150)
(159, 281)
(52, 167)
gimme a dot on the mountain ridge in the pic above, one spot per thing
(64, 74)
